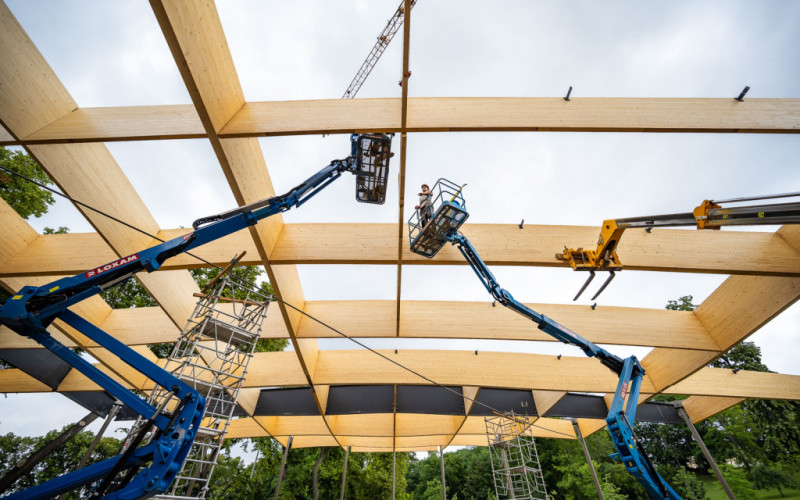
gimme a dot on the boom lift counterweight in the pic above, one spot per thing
(450, 213)
(144, 471)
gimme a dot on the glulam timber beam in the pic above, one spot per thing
(455, 320)
(488, 369)
(94, 309)
(426, 114)
(667, 250)
(413, 432)
(700, 408)
(734, 311)
(89, 173)
(742, 384)
(281, 369)
(448, 114)
(31, 98)
(194, 34)
(129, 123)
(401, 177)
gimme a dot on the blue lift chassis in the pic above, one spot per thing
(449, 213)
(149, 469)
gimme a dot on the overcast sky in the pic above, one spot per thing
(114, 54)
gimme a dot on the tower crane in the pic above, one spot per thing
(392, 27)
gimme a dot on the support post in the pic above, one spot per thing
(344, 472)
(29, 463)
(283, 466)
(507, 469)
(394, 467)
(706, 453)
(579, 435)
(441, 463)
(253, 468)
(111, 414)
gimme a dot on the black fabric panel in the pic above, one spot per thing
(504, 400)
(40, 364)
(98, 402)
(579, 406)
(429, 399)
(658, 412)
(295, 401)
(350, 399)
(587, 406)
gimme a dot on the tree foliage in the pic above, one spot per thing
(770, 475)
(369, 475)
(468, 475)
(14, 448)
(26, 198)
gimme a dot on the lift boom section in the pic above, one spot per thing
(32, 309)
(449, 213)
(708, 215)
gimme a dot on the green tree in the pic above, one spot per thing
(468, 474)
(752, 432)
(14, 448)
(771, 475)
(736, 478)
(685, 483)
(611, 492)
(433, 490)
(26, 198)
(682, 304)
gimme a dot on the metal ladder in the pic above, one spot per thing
(515, 462)
(212, 356)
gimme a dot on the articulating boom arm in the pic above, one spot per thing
(429, 231)
(31, 310)
(547, 325)
(620, 415)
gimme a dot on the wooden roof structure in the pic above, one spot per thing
(38, 113)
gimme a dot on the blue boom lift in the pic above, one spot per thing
(144, 471)
(449, 212)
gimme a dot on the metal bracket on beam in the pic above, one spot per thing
(741, 95)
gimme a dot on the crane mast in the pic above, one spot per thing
(391, 29)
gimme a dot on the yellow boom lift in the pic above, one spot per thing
(708, 215)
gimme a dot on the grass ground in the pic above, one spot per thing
(715, 492)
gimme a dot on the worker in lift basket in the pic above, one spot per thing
(425, 209)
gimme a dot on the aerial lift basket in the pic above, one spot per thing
(372, 153)
(429, 232)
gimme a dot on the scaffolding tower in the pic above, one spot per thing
(515, 461)
(212, 355)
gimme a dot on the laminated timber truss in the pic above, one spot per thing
(38, 113)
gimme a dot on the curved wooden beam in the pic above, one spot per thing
(667, 250)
